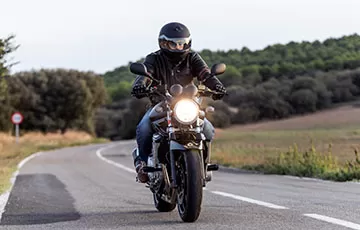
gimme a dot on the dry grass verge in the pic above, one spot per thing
(269, 146)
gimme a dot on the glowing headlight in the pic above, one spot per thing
(186, 111)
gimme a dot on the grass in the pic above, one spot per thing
(324, 146)
(311, 163)
(11, 153)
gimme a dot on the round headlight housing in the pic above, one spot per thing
(186, 111)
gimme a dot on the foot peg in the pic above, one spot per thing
(212, 167)
(149, 169)
(208, 176)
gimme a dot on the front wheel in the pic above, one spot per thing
(190, 190)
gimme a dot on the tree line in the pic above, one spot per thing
(276, 82)
(49, 99)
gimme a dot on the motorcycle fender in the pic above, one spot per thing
(176, 146)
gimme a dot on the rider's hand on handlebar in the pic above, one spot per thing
(139, 91)
(220, 92)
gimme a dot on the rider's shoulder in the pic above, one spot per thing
(151, 57)
(194, 54)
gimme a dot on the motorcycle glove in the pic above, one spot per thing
(139, 91)
(220, 90)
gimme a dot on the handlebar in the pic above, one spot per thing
(160, 91)
(208, 93)
(200, 93)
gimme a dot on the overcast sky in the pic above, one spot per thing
(102, 35)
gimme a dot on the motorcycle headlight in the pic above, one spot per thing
(186, 111)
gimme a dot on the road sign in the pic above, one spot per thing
(17, 118)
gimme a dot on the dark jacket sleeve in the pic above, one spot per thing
(200, 69)
(149, 63)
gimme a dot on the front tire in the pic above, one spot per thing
(190, 190)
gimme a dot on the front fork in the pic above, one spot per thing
(173, 171)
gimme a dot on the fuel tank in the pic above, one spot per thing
(158, 112)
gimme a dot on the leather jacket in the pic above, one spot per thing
(181, 73)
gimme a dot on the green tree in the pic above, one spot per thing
(304, 101)
(6, 47)
(54, 99)
(120, 90)
(221, 118)
(232, 76)
(6, 109)
(132, 116)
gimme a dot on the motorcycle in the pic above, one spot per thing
(179, 164)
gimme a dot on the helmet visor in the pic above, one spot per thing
(175, 44)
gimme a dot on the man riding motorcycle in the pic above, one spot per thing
(174, 63)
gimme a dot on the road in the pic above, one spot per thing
(94, 187)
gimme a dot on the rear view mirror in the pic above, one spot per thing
(139, 68)
(218, 69)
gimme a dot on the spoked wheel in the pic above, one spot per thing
(161, 205)
(190, 188)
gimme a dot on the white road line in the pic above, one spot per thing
(3, 201)
(98, 153)
(334, 221)
(269, 205)
(5, 196)
(246, 199)
(258, 202)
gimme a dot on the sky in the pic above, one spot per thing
(99, 36)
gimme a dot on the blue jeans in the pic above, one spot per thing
(144, 133)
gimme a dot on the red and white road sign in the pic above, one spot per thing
(17, 118)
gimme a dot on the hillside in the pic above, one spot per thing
(275, 61)
(344, 116)
(277, 82)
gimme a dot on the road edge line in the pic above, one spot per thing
(100, 156)
(249, 200)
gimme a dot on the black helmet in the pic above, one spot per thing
(175, 41)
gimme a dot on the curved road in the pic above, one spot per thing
(93, 187)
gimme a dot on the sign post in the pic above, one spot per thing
(16, 119)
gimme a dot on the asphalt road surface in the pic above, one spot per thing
(94, 187)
